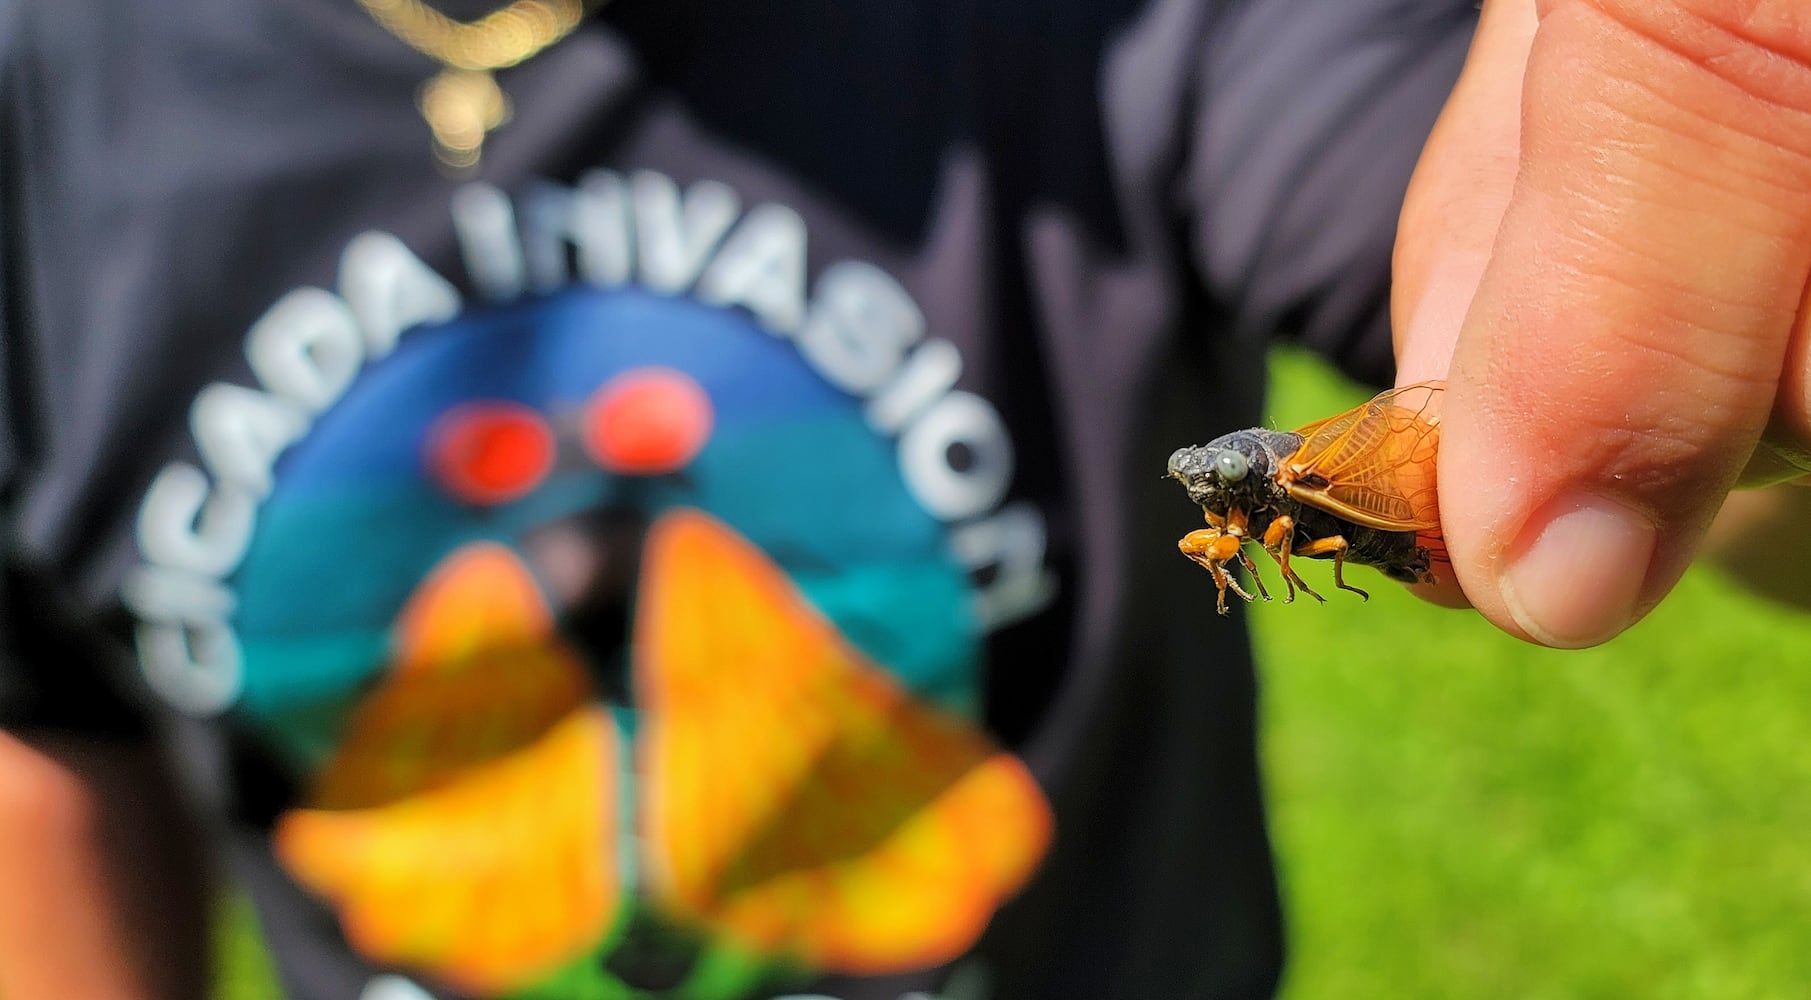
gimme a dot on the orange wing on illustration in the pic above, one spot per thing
(1374, 464)
(791, 796)
(796, 798)
(465, 824)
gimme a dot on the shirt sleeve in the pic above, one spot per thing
(12, 683)
(1309, 116)
(57, 668)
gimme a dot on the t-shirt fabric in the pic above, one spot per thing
(717, 547)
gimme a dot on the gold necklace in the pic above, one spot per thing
(462, 103)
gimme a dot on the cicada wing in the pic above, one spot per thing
(1375, 463)
(797, 798)
(465, 825)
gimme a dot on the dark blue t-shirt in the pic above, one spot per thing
(718, 546)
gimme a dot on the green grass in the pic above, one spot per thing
(1461, 815)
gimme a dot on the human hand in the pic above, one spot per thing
(1607, 240)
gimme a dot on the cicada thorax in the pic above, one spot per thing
(1260, 493)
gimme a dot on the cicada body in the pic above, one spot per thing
(1358, 487)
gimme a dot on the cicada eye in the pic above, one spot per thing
(1231, 465)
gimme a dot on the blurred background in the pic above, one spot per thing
(1458, 814)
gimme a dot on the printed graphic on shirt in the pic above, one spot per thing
(624, 632)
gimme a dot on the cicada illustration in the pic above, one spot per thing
(1357, 487)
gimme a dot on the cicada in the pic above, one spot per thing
(1354, 488)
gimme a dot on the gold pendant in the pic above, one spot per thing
(461, 106)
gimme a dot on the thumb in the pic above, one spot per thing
(1622, 353)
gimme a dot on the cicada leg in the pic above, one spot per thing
(1252, 568)
(1337, 545)
(1236, 524)
(1279, 539)
(1212, 549)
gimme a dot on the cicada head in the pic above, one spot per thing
(1236, 470)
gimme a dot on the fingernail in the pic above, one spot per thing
(1574, 576)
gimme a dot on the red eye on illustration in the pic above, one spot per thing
(490, 452)
(647, 422)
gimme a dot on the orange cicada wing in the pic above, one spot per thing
(797, 799)
(466, 823)
(1373, 464)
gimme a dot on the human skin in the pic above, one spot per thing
(104, 896)
(1605, 251)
